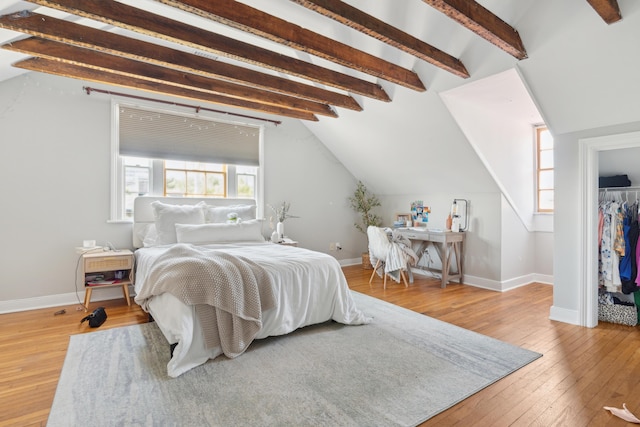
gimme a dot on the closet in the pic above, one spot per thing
(618, 255)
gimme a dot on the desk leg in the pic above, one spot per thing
(446, 265)
(458, 250)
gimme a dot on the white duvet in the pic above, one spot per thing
(309, 288)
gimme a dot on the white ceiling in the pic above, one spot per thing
(566, 82)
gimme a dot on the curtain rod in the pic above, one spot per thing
(195, 107)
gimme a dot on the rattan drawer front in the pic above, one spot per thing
(109, 263)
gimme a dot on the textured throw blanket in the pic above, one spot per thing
(229, 293)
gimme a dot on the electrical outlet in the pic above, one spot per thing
(332, 246)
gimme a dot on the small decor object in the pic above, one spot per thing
(402, 220)
(280, 229)
(448, 223)
(460, 214)
(96, 318)
(363, 202)
(275, 238)
(281, 213)
(232, 218)
(420, 213)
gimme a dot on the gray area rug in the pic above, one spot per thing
(401, 369)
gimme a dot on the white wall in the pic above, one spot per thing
(55, 173)
(517, 248)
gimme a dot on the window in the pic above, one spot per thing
(544, 169)
(185, 179)
(137, 181)
(162, 154)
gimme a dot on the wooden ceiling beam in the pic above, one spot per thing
(481, 21)
(609, 10)
(78, 35)
(58, 68)
(128, 67)
(374, 27)
(254, 21)
(143, 22)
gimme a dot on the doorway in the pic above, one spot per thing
(589, 149)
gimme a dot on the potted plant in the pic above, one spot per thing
(363, 202)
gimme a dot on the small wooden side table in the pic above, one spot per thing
(116, 267)
(288, 242)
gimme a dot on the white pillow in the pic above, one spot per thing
(218, 214)
(167, 216)
(146, 233)
(245, 231)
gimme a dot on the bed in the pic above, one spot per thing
(186, 247)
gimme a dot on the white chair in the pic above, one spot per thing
(382, 251)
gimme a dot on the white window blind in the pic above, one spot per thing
(160, 135)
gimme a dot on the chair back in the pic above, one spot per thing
(379, 244)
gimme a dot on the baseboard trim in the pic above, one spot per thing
(495, 285)
(349, 262)
(47, 301)
(564, 315)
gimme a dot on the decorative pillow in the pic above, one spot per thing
(167, 216)
(217, 214)
(245, 231)
(147, 235)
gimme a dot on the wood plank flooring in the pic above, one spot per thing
(581, 370)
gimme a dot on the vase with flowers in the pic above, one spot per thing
(281, 213)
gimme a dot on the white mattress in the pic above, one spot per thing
(309, 287)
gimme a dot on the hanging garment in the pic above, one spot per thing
(625, 260)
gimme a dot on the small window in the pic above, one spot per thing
(246, 181)
(185, 179)
(137, 181)
(544, 170)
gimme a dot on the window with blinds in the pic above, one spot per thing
(167, 154)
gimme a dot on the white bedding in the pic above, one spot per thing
(309, 288)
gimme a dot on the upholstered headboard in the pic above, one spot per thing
(143, 212)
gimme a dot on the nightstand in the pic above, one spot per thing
(288, 242)
(105, 270)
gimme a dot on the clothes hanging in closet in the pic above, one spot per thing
(619, 254)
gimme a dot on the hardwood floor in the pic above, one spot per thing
(581, 370)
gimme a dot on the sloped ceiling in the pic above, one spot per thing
(375, 106)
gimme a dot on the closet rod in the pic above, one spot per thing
(605, 189)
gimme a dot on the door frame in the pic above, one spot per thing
(589, 149)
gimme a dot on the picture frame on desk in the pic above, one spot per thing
(404, 218)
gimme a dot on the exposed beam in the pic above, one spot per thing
(482, 22)
(138, 20)
(607, 9)
(73, 71)
(128, 67)
(254, 21)
(115, 44)
(374, 27)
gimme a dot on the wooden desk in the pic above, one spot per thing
(446, 244)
